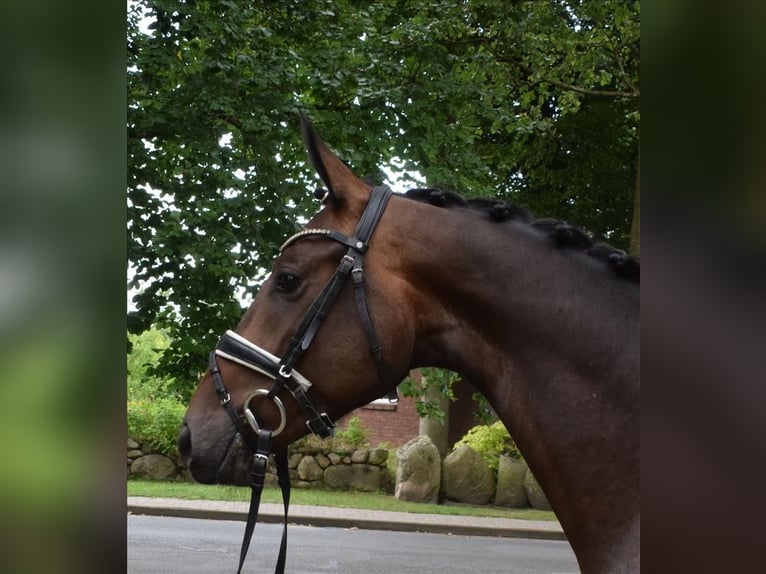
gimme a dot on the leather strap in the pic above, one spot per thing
(232, 346)
(224, 399)
(352, 262)
(257, 481)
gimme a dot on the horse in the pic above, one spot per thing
(539, 317)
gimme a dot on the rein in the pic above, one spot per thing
(233, 347)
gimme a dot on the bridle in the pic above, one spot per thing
(233, 347)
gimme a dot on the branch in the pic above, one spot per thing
(635, 93)
(229, 119)
(579, 90)
(571, 87)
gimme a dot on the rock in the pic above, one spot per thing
(466, 477)
(153, 467)
(184, 475)
(309, 470)
(307, 485)
(346, 460)
(378, 456)
(359, 456)
(132, 445)
(271, 480)
(135, 453)
(334, 458)
(535, 493)
(418, 471)
(322, 460)
(510, 490)
(357, 477)
(293, 460)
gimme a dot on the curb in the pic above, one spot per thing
(271, 513)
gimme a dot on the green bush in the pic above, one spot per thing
(155, 412)
(156, 422)
(354, 436)
(346, 440)
(490, 441)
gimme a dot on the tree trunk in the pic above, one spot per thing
(434, 429)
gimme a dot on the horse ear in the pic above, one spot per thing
(342, 185)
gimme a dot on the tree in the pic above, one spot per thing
(534, 102)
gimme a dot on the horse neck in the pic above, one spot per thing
(505, 290)
(550, 337)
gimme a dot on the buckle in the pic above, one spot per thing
(346, 263)
(322, 426)
(225, 398)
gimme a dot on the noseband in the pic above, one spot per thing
(235, 348)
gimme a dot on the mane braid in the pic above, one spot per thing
(562, 234)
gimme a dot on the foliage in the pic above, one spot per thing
(354, 436)
(346, 440)
(156, 422)
(155, 411)
(485, 414)
(490, 441)
(431, 378)
(534, 102)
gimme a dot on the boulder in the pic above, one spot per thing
(185, 475)
(133, 445)
(334, 458)
(535, 493)
(418, 471)
(378, 456)
(309, 470)
(322, 460)
(359, 456)
(153, 467)
(355, 477)
(294, 460)
(466, 477)
(510, 490)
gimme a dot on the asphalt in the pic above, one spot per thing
(351, 518)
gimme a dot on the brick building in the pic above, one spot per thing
(399, 423)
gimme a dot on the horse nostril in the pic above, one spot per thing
(184, 442)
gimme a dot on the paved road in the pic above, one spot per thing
(168, 545)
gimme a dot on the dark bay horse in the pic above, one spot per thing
(541, 320)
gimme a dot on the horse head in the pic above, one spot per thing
(326, 276)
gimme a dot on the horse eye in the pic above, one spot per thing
(288, 282)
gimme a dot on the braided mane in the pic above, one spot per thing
(562, 234)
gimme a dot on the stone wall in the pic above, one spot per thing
(145, 462)
(363, 470)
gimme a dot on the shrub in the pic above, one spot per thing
(156, 422)
(155, 412)
(354, 436)
(490, 441)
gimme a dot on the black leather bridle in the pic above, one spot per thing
(236, 348)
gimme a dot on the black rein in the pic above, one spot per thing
(236, 348)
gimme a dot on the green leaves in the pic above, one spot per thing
(491, 441)
(534, 102)
(431, 378)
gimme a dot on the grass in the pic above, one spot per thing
(363, 500)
